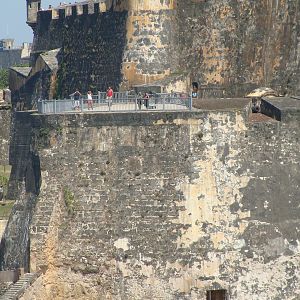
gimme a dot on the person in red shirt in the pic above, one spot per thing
(109, 96)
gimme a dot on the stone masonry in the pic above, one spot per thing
(225, 45)
(167, 205)
(5, 116)
(239, 45)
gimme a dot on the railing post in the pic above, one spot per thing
(54, 104)
(122, 103)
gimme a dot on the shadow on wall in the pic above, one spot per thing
(92, 52)
(24, 186)
(25, 163)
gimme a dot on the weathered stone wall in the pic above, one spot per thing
(227, 44)
(5, 129)
(241, 45)
(111, 48)
(15, 244)
(22, 157)
(151, 41)
(48, 34)
(92, 61)
(92, 49)
(9, 58)
(5, 118)
(23, 187)
(2, 226)
(166, 206)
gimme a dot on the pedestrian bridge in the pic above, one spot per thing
(121, 102)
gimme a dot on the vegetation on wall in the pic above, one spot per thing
(3, 79)
(58, 93)
(69, 201)
(22, 65)
(4, 183)
(5, 209)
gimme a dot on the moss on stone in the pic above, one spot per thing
(69, 200)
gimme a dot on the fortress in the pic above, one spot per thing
(228, 48)
(200, 204)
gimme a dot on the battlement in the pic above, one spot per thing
(64, 10)
(76, 9)
(91, 7)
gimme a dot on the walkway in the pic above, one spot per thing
(158, 102)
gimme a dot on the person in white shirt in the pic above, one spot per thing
(90, 100)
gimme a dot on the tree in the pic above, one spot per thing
(3, 79)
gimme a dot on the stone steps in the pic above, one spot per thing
(17, 289)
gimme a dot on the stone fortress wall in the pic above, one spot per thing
(109, 43)
(5, 119)
(160, 205)
(239, 45)
(11, 55)
(224, 44)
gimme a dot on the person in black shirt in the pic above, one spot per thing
(76, 97)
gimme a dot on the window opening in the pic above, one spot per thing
(85, 9)
(74, 10)
(96, 8)
(216, 295)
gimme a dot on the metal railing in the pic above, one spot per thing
(121, 102)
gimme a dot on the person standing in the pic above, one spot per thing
(146, 100)
(140, 100)
(1, 193)
(76, 97)
(90, 100)
(109, 96)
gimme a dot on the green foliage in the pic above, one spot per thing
(3, 79)
(58, 93)
(44, 133)
(58, 88)
(4, 183)
(21, 65)
(59, 130)
(42, 136)
(5, 209)
(69, 201)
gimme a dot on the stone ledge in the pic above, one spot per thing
(225, 104)
(281, 108)
(136, 118)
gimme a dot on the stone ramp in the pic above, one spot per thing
(17, 289)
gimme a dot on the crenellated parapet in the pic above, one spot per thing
(77, 9)
(202, 41)
(91, 7)
(148, 34)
